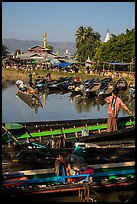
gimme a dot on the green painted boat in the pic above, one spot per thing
(63, 132)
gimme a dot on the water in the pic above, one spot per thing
(55, 107)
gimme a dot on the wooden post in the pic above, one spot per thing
(63, 137)
(99, 129)
(76, 133)
(52, 140)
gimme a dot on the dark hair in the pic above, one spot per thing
(115, 91)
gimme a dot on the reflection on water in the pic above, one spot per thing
(83, 104)
(56, 106)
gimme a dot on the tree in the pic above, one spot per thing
(81, 34)
(119, 48)
(86, 42)
(17, 52)
(5, 51)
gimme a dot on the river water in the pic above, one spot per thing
(56, 106)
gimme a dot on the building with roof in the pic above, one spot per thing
(37, 53)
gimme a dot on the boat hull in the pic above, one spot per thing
(45, 181)
(71, 131)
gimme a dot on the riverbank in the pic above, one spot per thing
(10, 76)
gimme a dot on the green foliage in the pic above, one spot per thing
(17, 52)
(86, 43)
(50, 47)
(119, 48)
(5, 51)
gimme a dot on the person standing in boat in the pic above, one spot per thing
(77, 164)
(114, 104)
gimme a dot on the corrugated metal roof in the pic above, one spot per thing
(29, 55)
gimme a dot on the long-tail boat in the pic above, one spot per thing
(68, 131)
(58, 179)
(29, 96)
(113, 174)
(106, 91)
(91, 91)
(121, 84)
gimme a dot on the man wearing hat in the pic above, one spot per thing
(114, 104)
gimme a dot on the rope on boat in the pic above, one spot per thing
(23, 75)
(22, 108)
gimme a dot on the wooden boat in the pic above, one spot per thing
(104, 82)
(109, 173)
(50, 184)
(132, 85)
(43, 181)
(31, 102)
(30, 96)
(106, 91)
(69, 131)
(92, 89)
(121, 84)
(61, 84)
(40, 87)
(131, 93)
(72, 86)
(33, 155)
(75, 88)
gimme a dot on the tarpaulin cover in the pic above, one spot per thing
(56, 64)
(65, 64)
(118, 63)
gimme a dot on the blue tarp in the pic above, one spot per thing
(65, 64)
(55, 62)
(118, 63)
(55, 65)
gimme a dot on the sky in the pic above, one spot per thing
(61, 20)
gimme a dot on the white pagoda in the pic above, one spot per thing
(108, 36)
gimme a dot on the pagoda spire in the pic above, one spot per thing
(107, 36)
(44, 39)
(57, 51)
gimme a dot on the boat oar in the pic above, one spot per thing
(10, 134)
(18, 126)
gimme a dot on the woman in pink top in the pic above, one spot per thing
(114, 104)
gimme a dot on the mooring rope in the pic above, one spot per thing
(21, 108)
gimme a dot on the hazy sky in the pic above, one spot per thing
(60, 20)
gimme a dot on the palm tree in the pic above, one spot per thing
(86, 40)
(81, 34)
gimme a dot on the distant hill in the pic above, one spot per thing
(14, 44)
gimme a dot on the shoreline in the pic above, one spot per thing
(10, 76)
